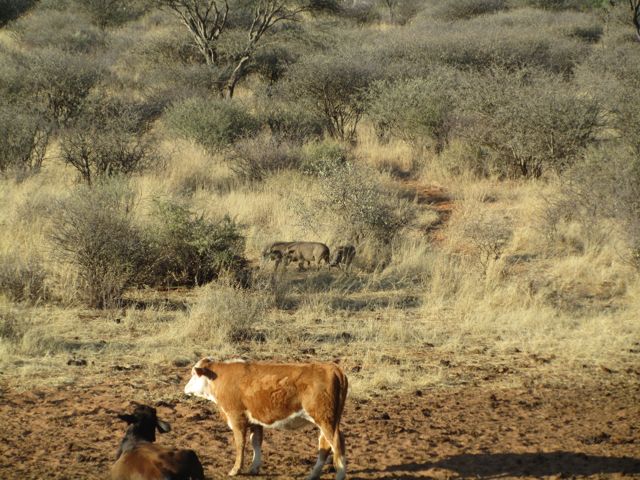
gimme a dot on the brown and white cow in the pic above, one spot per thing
(255, 395)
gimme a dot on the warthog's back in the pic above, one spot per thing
(308, 251)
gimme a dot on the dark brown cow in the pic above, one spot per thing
(138, 458)
(255, 395)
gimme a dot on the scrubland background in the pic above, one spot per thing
(483, 157)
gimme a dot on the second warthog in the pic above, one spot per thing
(308, 252)
(343, 255)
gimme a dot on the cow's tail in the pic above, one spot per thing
(340, 388)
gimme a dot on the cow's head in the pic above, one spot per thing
(143, 423)
(201, 376)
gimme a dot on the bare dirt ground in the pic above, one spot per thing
(457, 432)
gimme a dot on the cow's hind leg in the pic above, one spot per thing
(256, 444)
(239, 428)
(336, 440)
(324, 447)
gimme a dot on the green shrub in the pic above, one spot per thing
(213, 123)
(291, 122)
(62, 30)
(62, 81)
(23, 140)
(106, 140)
(523, 124)
(192, 250)
(324, 158)
(107, 13)
(272, 63)
(420, 111)
(463, 9)
(334, 87)
(510, 39)
(93, 231)
(361, 207)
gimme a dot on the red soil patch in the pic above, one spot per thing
(472, 432)
(437, 199)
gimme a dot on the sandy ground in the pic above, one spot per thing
(458, 432)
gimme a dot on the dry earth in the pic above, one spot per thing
(587, 431)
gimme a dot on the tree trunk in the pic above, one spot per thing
(235, 77)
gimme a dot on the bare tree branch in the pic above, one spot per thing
(205, 20)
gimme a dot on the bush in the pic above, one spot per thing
(62, 82)
(523, 124)
(255, 158)
(23, 140)
(12, 9)
(419, 111)
(291, 122)
(107, 140)
(272, 64)
(510, 39)
(223, 314)
(93, 231)
(191, 250)
(361, 207)
(334, 87)
(213, 123)
(107, 13)
(604, 186)
(22, 281)
(463, 9)
(323, 159)
(61, 30)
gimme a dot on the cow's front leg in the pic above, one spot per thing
(239, 427)
(256, 444)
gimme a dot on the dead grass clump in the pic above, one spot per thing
(22, 280)
(222, 315)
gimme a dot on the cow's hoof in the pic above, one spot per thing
(254, 470)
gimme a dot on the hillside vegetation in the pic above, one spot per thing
(482, 156)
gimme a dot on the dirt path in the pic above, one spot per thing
(473, 432)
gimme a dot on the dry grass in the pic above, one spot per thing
(491, 298)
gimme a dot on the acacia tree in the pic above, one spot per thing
(265, 14)
(205, 20)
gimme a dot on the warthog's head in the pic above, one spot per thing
(338, 256)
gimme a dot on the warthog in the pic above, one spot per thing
(343, 256)
(277, 251)
(302, 252)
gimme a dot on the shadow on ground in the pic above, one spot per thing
(496, 465)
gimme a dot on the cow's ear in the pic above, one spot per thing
(163, 427)
(206, 372)
(127, 418)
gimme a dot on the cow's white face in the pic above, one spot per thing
(198, 385)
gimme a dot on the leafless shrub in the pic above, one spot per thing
(93, 231)
(253, 159)
(22, 280)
